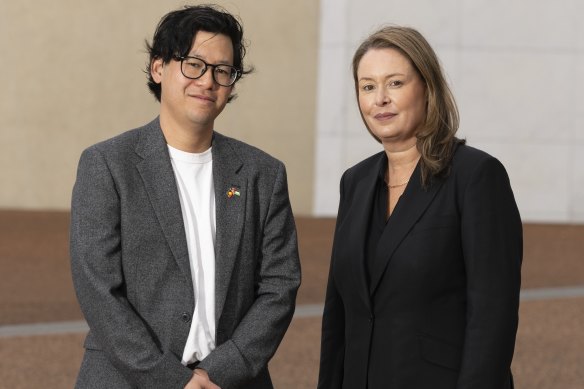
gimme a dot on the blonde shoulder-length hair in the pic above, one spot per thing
(436, 138)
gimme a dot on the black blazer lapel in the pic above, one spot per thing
(410, 208)
(359, 218)
(230, 198)
(159, 180)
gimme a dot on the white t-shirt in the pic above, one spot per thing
(194, 177)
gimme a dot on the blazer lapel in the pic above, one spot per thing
(360, 217)
(158, 176)
(230, 198)
(410, 208)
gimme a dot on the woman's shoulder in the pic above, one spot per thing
(465, 153)
(467, 157)
(469, 161)
(365, 165)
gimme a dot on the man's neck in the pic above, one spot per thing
(192, 139)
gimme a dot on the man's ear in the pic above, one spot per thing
(156, 69)
(232, 94)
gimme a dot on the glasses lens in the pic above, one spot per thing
(193, 67)
(225, 75)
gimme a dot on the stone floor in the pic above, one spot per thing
(35, 287)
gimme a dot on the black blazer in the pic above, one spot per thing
(441, 309)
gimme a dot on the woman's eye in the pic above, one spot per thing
(395, 83)
(367, 88)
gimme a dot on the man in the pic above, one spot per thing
(183, 244)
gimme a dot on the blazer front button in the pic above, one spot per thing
(186, 317)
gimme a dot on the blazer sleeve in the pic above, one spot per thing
(492, 248)
(96, 264)
(261, 330)
(332, 349)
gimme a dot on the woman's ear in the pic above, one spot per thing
(156, 69)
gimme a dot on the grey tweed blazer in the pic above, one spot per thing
(131, 270)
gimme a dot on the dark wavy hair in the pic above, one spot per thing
(176, 31)
(437, 137)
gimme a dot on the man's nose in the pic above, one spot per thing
(206, 80)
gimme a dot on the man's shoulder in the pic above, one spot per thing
(247, 153)
(117, 143)
(124, 143)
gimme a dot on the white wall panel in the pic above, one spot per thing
(332, 95)
(533, 24)
(441, 23)
(517, 96)
(333, 63)
(329, 168)
(517, 72)
(578, 102)
(360, 147)
(539, 177)
(577, 184)
(579, 10)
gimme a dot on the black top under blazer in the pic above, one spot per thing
(441, 309)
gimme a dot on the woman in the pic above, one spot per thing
(423, 288)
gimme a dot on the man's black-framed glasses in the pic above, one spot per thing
(193, 68)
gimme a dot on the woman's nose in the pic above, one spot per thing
(382, 97)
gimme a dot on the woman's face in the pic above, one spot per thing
(392, 97)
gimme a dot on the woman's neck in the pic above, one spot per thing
(400, 161)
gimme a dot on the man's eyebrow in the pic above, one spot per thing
(220, 62)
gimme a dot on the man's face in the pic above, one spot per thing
(194, 104)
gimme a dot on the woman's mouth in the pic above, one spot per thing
(385, 116)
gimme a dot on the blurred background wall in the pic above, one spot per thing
(72, 75)
(517, 71)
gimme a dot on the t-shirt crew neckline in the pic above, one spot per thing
(184, 156)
